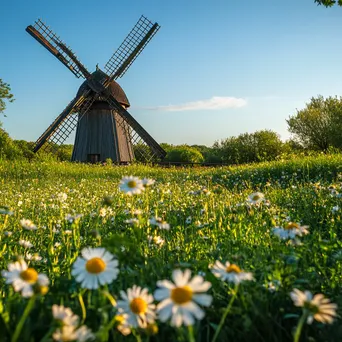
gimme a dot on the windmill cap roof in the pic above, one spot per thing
(114, 88)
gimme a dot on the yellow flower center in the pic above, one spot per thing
(232, 268)
(181, 295)
(292, 225)
(256, 197)
(120, 318)
(138, 306)
(95, 265)
(30, 275)
(132, 184)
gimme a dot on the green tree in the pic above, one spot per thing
(8, 150)
(328, 3)
(5, 94)
(319, 124)
(185, 154)
(250, 147)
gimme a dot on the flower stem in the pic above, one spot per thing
(191, 333)
(300, 326)
(23, 318)
(84, 311)
(223, 318)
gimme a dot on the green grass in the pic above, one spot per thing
(223, 227)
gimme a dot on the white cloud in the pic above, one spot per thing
(215, 103)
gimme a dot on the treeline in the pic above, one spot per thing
(316, 128)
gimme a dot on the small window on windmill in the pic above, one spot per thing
(94, 158)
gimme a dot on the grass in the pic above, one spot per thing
(223, 227)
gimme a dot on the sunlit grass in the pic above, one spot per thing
(211, 218)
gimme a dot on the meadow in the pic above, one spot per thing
(277, 224)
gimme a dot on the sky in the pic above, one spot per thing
(215, 68)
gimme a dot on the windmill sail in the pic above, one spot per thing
(44, 35)
(57, 133)
(131, 47)
(145, 147)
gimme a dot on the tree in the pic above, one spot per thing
(328, 3)
(250, 147)
(319, 124)
(5, 94)
(184, 153)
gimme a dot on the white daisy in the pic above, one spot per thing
(25, 243)
(73, 218)
(24, 278)
(157, 240)
(256, 198)
(65, 333)
(97, 267)
(133, 221)
(28, 224)
(230, 272)
(188, 220)
(148, 182)
(5, 210)
(64, 315)
(290, 230)
(84, 334)
(179, 299)
(131, 185)
(62, 197)
(319, 307)
(137, 305)
(157, 221)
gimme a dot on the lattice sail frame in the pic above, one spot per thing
(57, 47)
(131, 47)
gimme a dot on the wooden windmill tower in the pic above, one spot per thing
(104, 128)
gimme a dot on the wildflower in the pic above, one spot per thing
(318, 307)
(123, 325)
(70, 333)
(179, 300)
(73, 218)
(83, 334)
(64, 315)
(272, 286)
(157, 240)
(157, 221)
(188, 220)
(256, 198)
(24, 278)
(25, 243)
(62, 197)
(290, 231)
(5, 210)
(103, 212)
(34, 257)
(148, 182)
(138, 305)
(132, 222)
(230, 272)
(131, 185)
(335, 209)
(96, 267)
(28, 224)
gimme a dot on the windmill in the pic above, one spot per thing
(104, 128)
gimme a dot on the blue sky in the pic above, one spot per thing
(215, 69)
